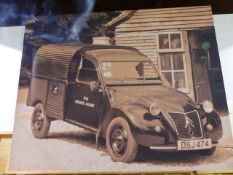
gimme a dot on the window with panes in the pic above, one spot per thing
(172, 60)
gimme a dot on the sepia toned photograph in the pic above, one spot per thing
(122, 91)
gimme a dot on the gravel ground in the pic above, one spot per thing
(70, 148)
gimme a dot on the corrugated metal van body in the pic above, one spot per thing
(50, 76)
(43, 91)
(38, 91)
(53, 67)
(55, 100)
(53, 61)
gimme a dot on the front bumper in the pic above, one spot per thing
(180, 130)
(172, 147)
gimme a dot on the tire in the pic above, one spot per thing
(120, 142)
(207, 152)
(40, 123)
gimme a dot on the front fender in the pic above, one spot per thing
(143, 124)
(140, 117)
(215, 121)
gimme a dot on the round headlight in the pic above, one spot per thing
(207, 106)
(157, 129)
(155, 109)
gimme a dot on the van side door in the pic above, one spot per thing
(85, 106)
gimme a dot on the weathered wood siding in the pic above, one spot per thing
(168, 19)
(144, 41)
(140, 30)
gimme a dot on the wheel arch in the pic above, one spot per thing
(36, 101)
(110, 115)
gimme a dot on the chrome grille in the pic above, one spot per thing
(188, 125)
(176, 102)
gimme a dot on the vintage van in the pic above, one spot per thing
(116, 92)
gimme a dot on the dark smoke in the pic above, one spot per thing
(15, 13)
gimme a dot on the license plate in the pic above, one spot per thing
(194, 144)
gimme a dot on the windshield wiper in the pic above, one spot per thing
(148, 78)
(153, 78)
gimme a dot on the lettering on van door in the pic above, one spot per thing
(85, 102)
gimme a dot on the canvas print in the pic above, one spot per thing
(128, 91)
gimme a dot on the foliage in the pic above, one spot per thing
(95, 26)
(60, 29)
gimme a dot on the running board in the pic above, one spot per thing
(92, 129)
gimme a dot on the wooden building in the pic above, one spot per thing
(182, 44)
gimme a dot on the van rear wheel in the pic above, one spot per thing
(120, 142)
(40, 122)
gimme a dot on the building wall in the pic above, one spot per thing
(168, 19)
(141, 31)
(145, 42)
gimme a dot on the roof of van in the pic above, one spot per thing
(116, 54)
(53, 60)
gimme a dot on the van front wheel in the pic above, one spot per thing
(40, 122)
(120, 142)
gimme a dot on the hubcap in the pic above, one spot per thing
(38, 120)
(118, 140)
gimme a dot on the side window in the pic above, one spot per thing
(88, 72)
(74, 64)
(87, 64)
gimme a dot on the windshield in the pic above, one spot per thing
(129, 71)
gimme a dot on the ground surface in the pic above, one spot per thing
(70, 148)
